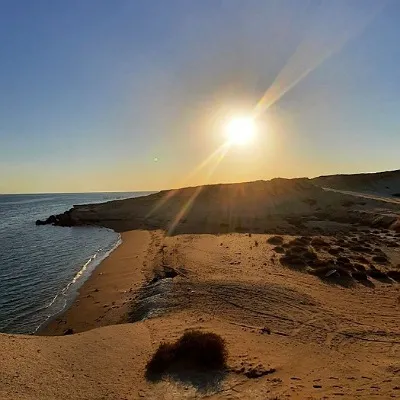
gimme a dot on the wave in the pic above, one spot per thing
(68, 294)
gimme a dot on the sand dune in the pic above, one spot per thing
(384, 183)
(279, 205)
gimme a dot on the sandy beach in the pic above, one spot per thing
(322, 338)
(303, 315)
(105, 297)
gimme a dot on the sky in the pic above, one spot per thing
(130, 95)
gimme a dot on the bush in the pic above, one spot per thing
(300, 241)
(380, 259)
(376, 274)
(360, 276)
(275, 240)
(293, 261)
(395, 275)
(194, 350)
(332, 273)
(319, 242)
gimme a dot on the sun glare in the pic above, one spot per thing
(240, 130)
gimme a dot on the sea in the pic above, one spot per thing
(43, 267)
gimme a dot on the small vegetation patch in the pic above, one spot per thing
(334, 275)
(254, 373)
(342, 260)
(322, 263)
(300, 241)
(360, 249)
(195, 350)
(331, 272)
(335, 250)
(319, 242)
(297, 250)
(293, 261)
(376, 274)
(359, 267)
(361, 259)
(360, 276)
(275, 240)
(395, 275)
(381, 259)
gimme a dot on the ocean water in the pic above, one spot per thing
(42, 267)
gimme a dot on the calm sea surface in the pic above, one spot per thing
(42, 267)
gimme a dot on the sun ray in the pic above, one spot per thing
(311, 53)
(220, 152)
(188, 205)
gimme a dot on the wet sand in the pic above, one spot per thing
(105, 297)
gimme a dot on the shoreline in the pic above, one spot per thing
(87, 270)
(104, 297)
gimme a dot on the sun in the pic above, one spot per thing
(240, 130)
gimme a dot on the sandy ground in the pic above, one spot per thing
(329, 338)
(105, 298)
(302, 283)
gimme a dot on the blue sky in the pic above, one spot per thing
(91, 92)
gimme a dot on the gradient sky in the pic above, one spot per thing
(93, 91)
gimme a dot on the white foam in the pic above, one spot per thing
(69, 293)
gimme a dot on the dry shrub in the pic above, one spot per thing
(195, 350)
(279, 249)
(300, 241)
(376, 274)
(293, 261)
(395, 275)
(360, 276)
(359, 267)
(162, 358)
(331, 273)
(275, 240)
(319, 242)
(380, 259)
(335, 250)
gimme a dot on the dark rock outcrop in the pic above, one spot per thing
(59, 220)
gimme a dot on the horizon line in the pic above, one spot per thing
(205, 184)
